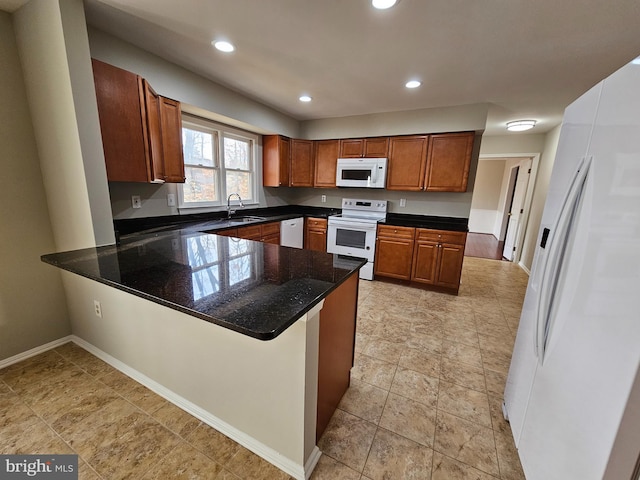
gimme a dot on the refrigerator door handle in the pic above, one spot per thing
(553, 260)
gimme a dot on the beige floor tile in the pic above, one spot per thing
(501, 344)
(419, 361)
(47, 367)
(373, 371)
(348, 439)
(176, 419)
(463, 374)
(330, 469)
(145, 399)
(184, 463)
(383, 349)
(364, 400)
(85, 360)
(425, 342)
(416, 386)
(408, 418)
(460, 352)
(395, 457)
(466, 335)
(246, 464)
(213, 444)
(361, 342)
(467, 442)
(495, 382)
(120, 382)
(464, 403)
(226, 475)
(445, 468)
(498, 362)
(134, 453)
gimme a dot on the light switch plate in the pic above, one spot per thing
(135, 201)
(403, 202)
(171, 199)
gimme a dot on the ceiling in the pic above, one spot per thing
(526, 59)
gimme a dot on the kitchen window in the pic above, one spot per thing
(218, 160)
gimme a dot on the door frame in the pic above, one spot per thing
(524, 218)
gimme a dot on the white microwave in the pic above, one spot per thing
(361, 172)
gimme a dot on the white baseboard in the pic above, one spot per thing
(524, 267)
(34, 351)
(297, 471)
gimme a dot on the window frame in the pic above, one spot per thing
(219, 132)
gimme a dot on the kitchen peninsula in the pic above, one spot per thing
(254, 339)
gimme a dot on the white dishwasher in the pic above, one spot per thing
(292, 232)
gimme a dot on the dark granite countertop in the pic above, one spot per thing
(426, 221)
(254, 288)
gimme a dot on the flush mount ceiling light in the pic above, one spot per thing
(383, 4)
(413, 84)
(304, 98)
(223, 46)
(521, 125)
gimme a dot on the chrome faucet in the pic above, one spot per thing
(229, 211)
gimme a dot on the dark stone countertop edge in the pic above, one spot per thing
(260, 335)
(210, 222)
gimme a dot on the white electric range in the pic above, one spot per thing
(353, 233)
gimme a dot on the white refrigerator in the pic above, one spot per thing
(572, 396)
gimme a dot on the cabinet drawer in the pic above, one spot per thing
(441, 236)
(270, 229)
(317, 223)
(396, 232)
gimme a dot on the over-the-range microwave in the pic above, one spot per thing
(361, 172)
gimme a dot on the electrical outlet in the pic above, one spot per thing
(171, 199)
(323, 199)
(97, 308)
(403, 202)
(135, 201)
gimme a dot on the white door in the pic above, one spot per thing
(521, 173)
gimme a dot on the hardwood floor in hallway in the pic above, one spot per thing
(483, 245)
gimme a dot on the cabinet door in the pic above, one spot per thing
(275, 161)
(407, 162)
(153, 132)
(394, 252)
(326, 160)
(315, 240)
(120, 107)
(376, 147)
(448, 162)
(425, 262)
(302, 172)
(351, 147)
(250, 232)
(450, 265)
(171, 125)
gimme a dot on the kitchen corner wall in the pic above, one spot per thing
(33, 310)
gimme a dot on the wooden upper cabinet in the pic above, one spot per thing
(131, 122)
(275, 160)
(302, 171)
(448, 161)
(407, 162)
(171, 128)
(326, 160)
(375, 147)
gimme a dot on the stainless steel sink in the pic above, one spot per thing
(245, 219)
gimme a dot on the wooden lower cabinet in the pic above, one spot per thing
(394, 252)
(315, 234)
(425, 256)
(266, 232)
(336, 349)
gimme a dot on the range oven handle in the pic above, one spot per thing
(352, 225)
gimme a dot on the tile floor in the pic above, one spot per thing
(424, 401)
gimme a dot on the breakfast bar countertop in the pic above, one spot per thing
(257, 289)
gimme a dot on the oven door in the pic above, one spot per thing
(351, 238)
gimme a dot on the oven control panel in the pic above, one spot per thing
(364, 205)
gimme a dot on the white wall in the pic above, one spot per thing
(43, 54)
(33, 310)
(520, 145)
(485, 203)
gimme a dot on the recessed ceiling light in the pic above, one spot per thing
(413, 84)
(223, 46)
(305, 98)
(521, 125)
(383, 4)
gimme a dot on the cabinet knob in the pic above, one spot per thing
(395, 231)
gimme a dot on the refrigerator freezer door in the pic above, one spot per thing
(572, 148)
(579, 394)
